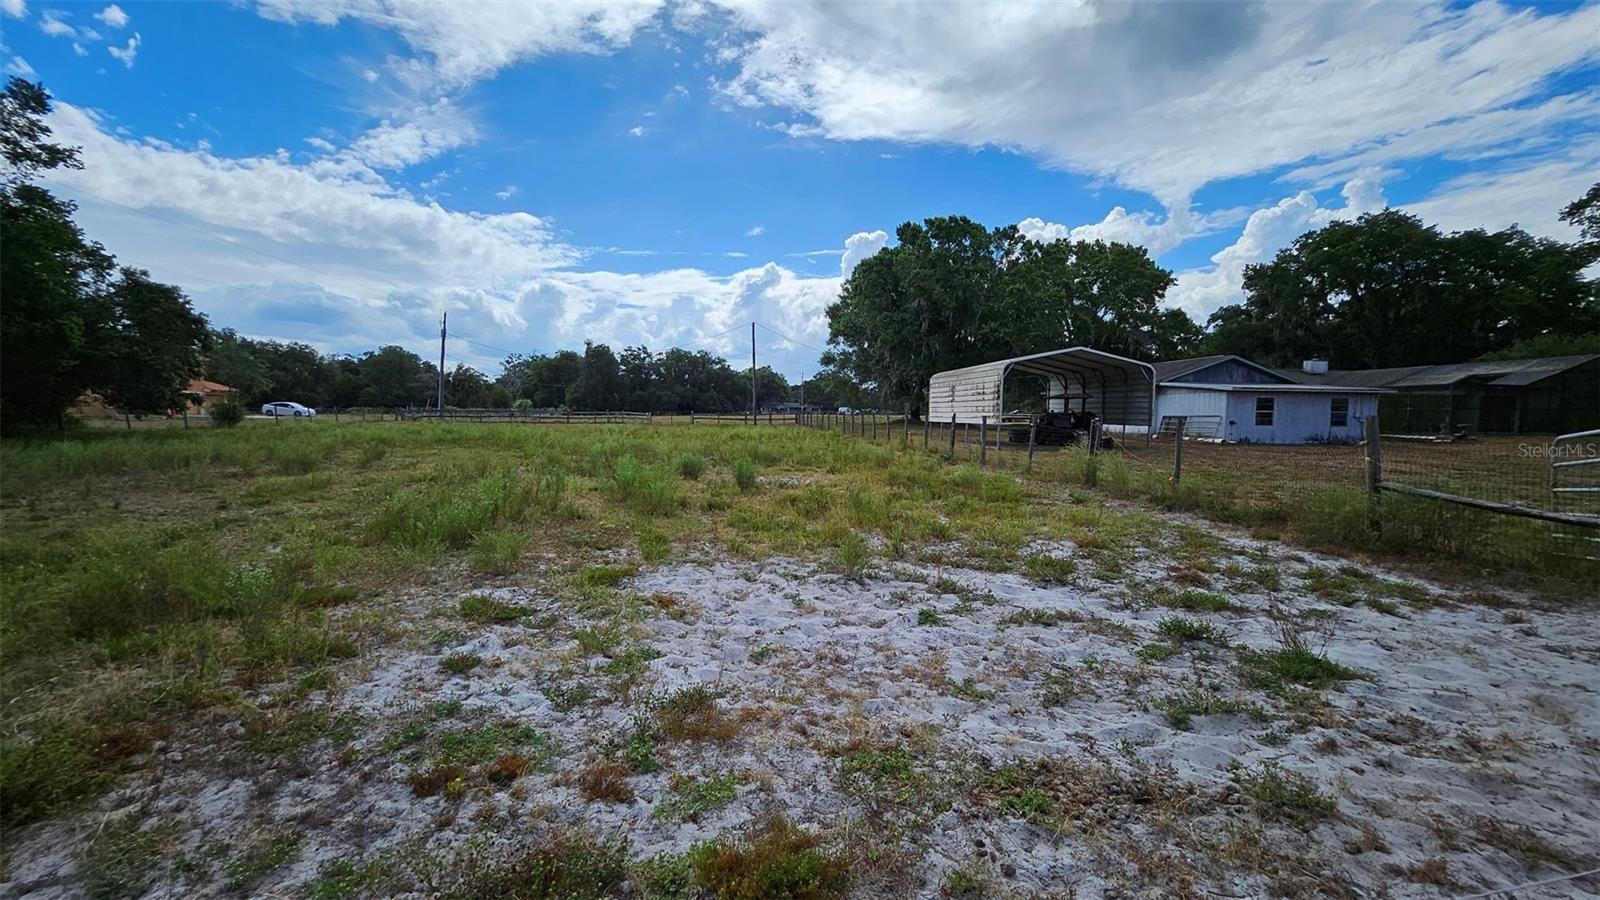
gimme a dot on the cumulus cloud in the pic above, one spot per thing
(1200, 292)
(331, 252)
(1156, 233)
(757, 231)
(465, 42)
(859, 246)
(51, 23)
(126, 55)
(507, 192)
(428, 133)
(16, 9)
(113, 17)
(1163, 97)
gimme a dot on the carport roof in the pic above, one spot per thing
(1070, 361)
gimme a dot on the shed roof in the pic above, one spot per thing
(1122, 389)
(1502, 373)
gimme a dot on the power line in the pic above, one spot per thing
(790, 339)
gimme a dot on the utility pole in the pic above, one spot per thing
(752, 372)
(444, 319)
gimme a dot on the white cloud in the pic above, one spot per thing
(757, 231)
(331, 252)
(859, 246)
(19, 67)
(466, 42)
(79, 49)
(50, 23)
(1200, 292)
(735, 254)
(113, 16)
(1529, 196)
(507, 192)
(1157, 234)
(16, 9)
(637, 131)
(427, 134)
(370, 75)
(1162, 97)
(127, 54)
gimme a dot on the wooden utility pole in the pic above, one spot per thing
(444, 320)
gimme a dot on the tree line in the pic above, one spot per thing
(637, 380)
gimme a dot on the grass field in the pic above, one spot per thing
(339, 659)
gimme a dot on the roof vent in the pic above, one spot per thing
(1314, 367)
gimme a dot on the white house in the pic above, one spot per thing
(1233, 399)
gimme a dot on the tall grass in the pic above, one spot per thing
(645, 489)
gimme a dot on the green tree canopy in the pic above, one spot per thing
(1389, 290)
(953, 293)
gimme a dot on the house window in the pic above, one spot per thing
(1264, 410)
(1339, 412)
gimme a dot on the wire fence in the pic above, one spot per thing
(1522, 503)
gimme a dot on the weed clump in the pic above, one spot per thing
(744, 474)
(478, 608)
(565, 866)
(645, 490)
(460, 663)
(1284, 795)
(1181, 709)
(607, 781)
(693, 714)
(779, 859)
(690, 466)
(444, 778)
(1049, 569)
(1184, 631)
(691, 795)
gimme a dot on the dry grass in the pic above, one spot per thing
(606, 781)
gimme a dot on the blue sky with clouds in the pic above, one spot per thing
(661, 173)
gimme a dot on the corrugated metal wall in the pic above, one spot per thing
(969, 394)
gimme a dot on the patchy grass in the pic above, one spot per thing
(262, 854)
(460, 663)
(567, 865)
(1182, 708)
(1049, 569)
(1284, 795)
(693, 714)
(1192, 600)
(1187, 631)
(478, 608)
(690, 796)
(776, 859)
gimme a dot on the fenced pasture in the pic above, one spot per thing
(655, 659)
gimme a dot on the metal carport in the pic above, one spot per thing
(1121, 390)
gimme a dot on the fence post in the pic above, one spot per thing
(1374, 447)
(927, 431)
(983, 441)
(952, 435)
(1033, 432)
(1177, 454)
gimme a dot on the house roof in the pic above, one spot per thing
(202, 386)
(1502, 373)
(1278, 388)
(1171, 370)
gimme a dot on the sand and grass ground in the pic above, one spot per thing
(331, 660)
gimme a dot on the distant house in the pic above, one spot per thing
(1554, 394)
(201, 395)
(1233, 399)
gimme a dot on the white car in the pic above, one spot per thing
(846, 411)
(285, 408)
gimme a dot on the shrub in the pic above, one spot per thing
(744, 474)
(606, 781)
(690, 466)
(1181, 630)
(228, 413)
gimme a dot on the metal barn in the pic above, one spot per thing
(1121, 390)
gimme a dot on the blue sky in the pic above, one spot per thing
(633, 172)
